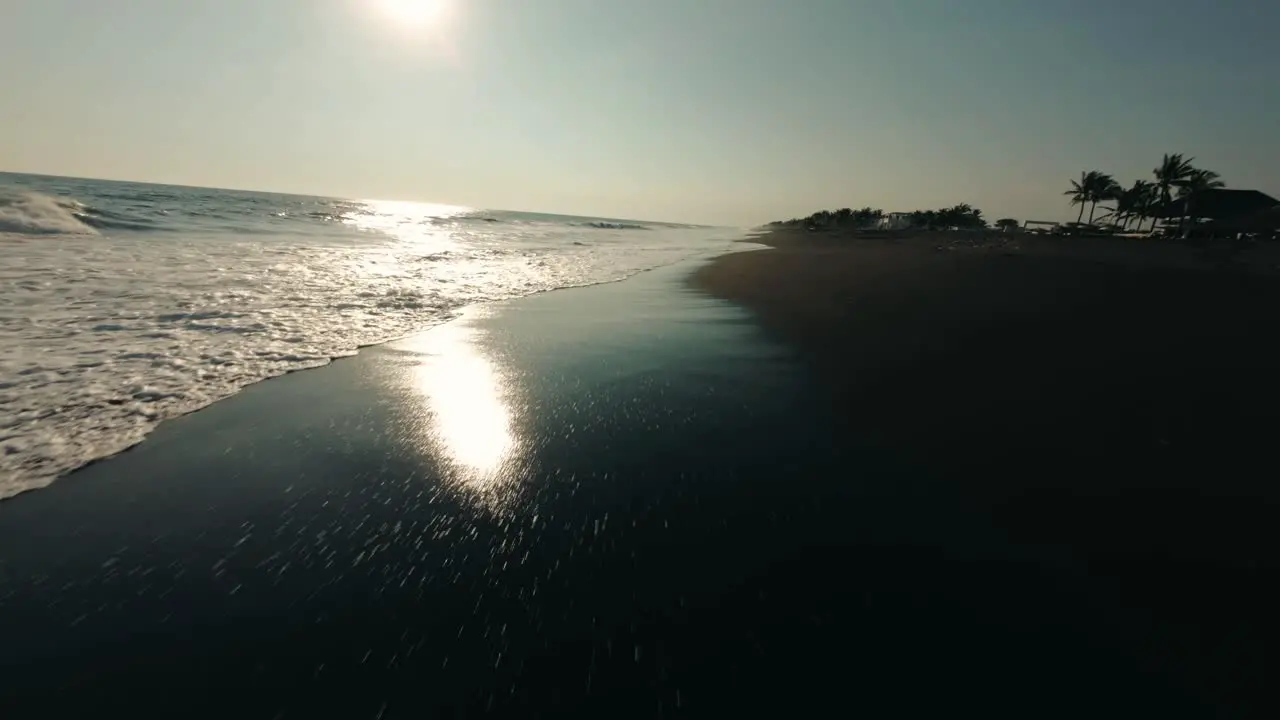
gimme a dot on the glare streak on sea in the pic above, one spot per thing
(125, 304)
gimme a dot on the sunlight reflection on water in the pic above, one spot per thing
(238, 287)
(425, 237)
(410, 221)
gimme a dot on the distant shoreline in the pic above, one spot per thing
(1258, 257)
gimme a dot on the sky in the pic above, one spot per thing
(714, 111)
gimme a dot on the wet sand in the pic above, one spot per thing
(527, 511)
(631, 501)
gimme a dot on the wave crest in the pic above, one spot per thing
(602, 225)
(103, 220)
(32, 213)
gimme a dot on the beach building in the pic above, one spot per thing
(1227, 211)
(894, 221)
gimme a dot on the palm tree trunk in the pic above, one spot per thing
(1081, 215)
(1166, 197)
(1092, 207)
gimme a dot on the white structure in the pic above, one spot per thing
(894, 221)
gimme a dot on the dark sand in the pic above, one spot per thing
(981, 486)
(536, 510)
(1100, 408)
(955, 357)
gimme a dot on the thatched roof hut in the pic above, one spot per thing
(1260, 222)
(1218, 204)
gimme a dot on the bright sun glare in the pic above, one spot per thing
(412, 14)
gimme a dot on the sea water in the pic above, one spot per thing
(123, 304)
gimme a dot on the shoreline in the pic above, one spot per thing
(630, 497)
(1253, 257)
(421, 524)
(453, 316)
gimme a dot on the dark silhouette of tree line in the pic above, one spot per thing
(1175, 179)
(962, 216)
(844, 217)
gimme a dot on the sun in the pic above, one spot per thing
(412, 14)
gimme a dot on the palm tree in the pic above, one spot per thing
(922, 218)
(1093, 187)
(1079, 193)
(1104, 188)
(822, 218)
(1199, 181)
(1119, 213)
(1008, 224)
(963, 216)
(1195, 183)
(867, 216)
(1131, 203)
(1173, 170)
(1148, 203)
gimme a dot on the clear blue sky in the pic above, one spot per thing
(724, 111)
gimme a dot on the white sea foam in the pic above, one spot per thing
(32, 213)
(105, 333)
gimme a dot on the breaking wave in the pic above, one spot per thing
(605, 225)
(103, 220)
(123, 305)
(32, 213)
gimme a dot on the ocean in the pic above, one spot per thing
(125, 304)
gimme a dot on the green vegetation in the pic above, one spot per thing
(1007, 224)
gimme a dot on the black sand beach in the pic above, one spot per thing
(629, 501)
(1102, 408)
(528, 510)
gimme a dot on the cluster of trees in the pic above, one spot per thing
(1175, 179)
(866, 217)
(963, 216)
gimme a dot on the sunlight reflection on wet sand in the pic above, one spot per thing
(464, 414)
